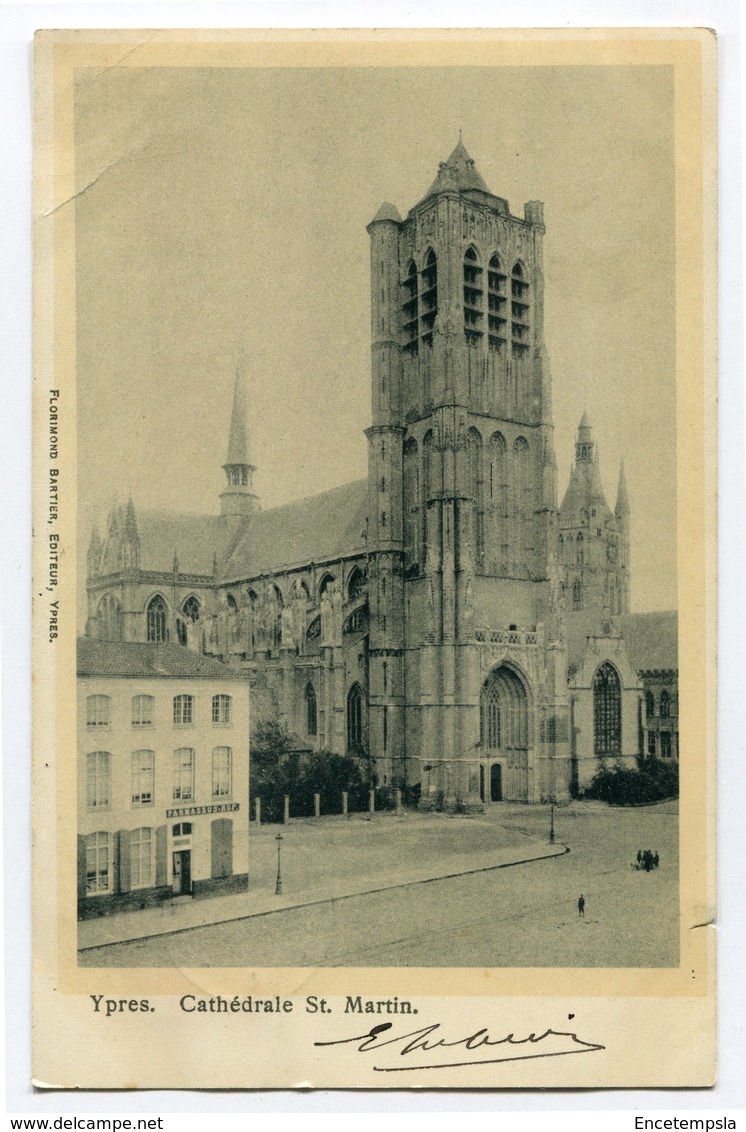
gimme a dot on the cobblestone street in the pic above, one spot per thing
(522, 916)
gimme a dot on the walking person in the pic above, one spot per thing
(656, 860)
(581, 906)
(639, 857)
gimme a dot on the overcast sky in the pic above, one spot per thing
(229, 209)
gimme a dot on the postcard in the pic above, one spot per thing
(374, 559)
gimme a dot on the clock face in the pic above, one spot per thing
(611, 552)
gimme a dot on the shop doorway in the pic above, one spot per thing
(182, 882)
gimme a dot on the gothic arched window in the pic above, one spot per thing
(410, 309)
(355, 719)
(496, 300)
(157, 619)
(498, 495)
(356, 584)
(473, 297)
(191, 608)
(577, 594)
(311, 712)
(522, 509)
(649, 705)
(665, 705)
(411, 485)
(519, 311)
(579, 549)
(429, 296)
(607, 711)
(476, 491)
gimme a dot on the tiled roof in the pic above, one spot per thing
(652, 639)
(128, 658)
(194, 539)
(318, 529)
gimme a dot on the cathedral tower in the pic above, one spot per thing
(594, 541)
(462, 499)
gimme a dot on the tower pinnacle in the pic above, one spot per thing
(238, 499)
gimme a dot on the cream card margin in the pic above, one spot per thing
(658, 1026)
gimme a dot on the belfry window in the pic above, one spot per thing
(410, 309)
(429, 297)
(519, 312)
(473, 298)
(607, 712)
(496, 305)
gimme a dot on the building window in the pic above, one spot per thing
(356, 584)
(141, 858)
(649, 705)
(355, 718)
(473, 298)
(98, 711)
(98, 776)
(519, 310)
(143, 777)
(665, 705)
(476, 491)
(579, 549)
(221, 709)
(651, 744)
(191, 609)
(665, 744)
(311, 713)
(429, 297)
(410, 309)
(182, 829)
(183, 774)
(577, 595)
(496, 300)
(183, 709)
(142, 711)
(222, 770)
(607, 712)
(97, 863)
(157, 620)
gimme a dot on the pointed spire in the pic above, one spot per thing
(387, 211)
(458, 172)
(130, 521)
(238, 442)
(622, 498)
(584, 428)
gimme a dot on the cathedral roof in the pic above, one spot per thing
(387, 211)
(459, 173)
(652, 639)
(129, 658)
(318, 529)
(194, 538)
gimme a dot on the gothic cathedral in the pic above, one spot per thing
(444, 621)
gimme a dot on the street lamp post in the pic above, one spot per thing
(551, 821)
(278, 882)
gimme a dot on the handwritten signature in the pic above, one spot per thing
(424, 1041)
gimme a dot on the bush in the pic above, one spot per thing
(652, 781)
(278, 770)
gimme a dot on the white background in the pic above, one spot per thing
(17, 25)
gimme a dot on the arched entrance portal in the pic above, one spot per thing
(504, 734)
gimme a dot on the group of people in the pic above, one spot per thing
(646, 860)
